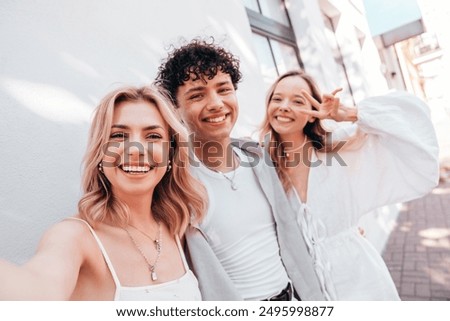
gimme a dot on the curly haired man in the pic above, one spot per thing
(248, 247)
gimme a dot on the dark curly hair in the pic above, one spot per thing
(200, 59)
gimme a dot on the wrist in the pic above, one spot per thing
(352, 114)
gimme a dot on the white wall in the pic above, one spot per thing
(57, 59)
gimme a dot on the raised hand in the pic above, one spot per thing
(330, 108)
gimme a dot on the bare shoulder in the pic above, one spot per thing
(70, 233)
(68, 228)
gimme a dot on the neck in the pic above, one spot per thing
(293, 142)
(217, 155)
(296, 147)
(139, 207)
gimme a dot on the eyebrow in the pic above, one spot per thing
(295, 96)
(193, 89)
(201, 87)
(151, 127)
(225, 82)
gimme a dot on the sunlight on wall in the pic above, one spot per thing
(79, 65)
(47, 101)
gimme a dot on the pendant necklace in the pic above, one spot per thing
(289, 152)
(235, 166)
(158, 245)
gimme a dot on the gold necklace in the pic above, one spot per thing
(158, 244)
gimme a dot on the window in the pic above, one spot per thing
(273, 37)
(347, 93)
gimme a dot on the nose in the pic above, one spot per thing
(284, 106)
(215, 102)
(135, 149)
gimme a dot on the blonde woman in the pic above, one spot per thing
(124, 244)
(390, 156)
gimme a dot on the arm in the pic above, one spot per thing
(393, 154)
(52, 273)
(400, 154)
(396, 154)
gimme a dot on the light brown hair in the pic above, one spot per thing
(313, 130)
(176, 196)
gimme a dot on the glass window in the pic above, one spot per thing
(265, 58)
(347, 93)
(274, 9)
(274, 57)
(273, 38)
(252, 4)
(285, 56)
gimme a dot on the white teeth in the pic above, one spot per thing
(283, 119)
(216, 120)
(136, 169)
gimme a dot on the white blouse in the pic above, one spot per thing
(392, 158)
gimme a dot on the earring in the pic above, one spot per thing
(169, 166)
(100, 167)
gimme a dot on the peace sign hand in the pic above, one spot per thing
(330, 108)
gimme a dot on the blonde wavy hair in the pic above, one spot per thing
(178, 195)
(315, 132)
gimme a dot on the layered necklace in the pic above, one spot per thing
(157, 241)
(235, 164)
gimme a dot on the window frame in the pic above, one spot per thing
(272, 29)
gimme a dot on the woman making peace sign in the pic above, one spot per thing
(387, 155)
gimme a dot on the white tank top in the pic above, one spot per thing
(241, 230)
(183, 289)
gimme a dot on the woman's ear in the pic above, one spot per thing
(311, 119)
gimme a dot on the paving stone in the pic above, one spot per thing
(420, 264)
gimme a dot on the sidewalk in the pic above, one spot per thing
(418, 250)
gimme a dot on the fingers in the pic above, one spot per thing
(311, 99)
(325, 97)
(313, 113)
(334, 92)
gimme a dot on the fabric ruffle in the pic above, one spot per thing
(314, 233)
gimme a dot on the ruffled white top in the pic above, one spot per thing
(392, 158)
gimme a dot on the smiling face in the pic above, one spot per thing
(136, 159)
(209, 107)
(284, 107)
